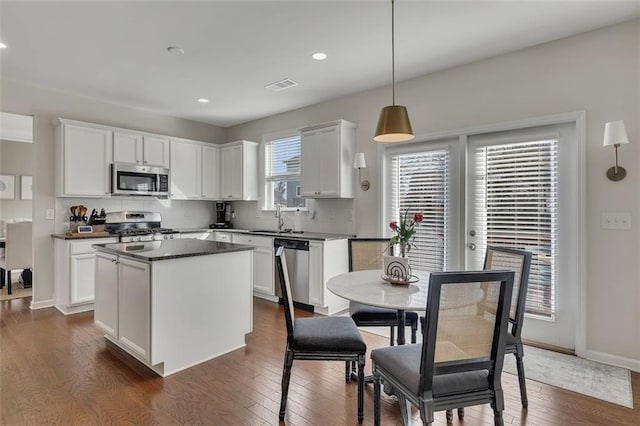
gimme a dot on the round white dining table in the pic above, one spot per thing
(368, 287)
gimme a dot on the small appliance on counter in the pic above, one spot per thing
(223, 216)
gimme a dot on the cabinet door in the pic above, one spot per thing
(186, 170)
(83, 268)
(223, 237)
(127, 148)
(263, 270)
(310, 168)
(328, 162)
(211, 172)
(134, 300)
(156, 151)
(87, 154)
(231, 168)
(316, 276)
(105, 310)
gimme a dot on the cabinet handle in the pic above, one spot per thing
(145, 162)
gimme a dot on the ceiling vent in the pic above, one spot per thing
(281, 85)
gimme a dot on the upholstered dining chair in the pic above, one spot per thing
(367, 253)
(17, 253)
(460, 360)
(318, 338)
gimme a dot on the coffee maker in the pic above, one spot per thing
(223, 216)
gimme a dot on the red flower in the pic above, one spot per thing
(418, 217)
(393, 225)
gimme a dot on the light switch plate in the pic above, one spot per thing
(616, 220)
(49, 214)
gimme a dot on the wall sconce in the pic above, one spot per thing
(616, 135)
(360, 163)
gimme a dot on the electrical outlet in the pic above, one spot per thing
(49, 214)
(616, 220)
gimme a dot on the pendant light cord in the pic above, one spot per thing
(393, 56)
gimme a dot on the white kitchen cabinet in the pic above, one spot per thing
(210, 172)
(239, 171)
(223, 237)
(83, 154)
(327, 160)
(74, 278)
(199, 235)
(326, 260)
(263, 263)
(134, 306)
(105, 311)
(186, 170)
(138, 148)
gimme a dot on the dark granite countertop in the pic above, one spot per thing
(83, 236)
(306, 235)
(150, 251)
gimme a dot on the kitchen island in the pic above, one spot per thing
(173, 304)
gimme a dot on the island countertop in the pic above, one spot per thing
(150, 251)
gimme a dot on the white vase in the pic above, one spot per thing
(397, 268)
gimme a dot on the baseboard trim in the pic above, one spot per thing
(42, 304)
(618, 361)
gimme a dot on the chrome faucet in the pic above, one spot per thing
(279, 216)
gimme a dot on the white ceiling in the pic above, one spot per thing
(116, 51)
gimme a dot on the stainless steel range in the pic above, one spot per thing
(131, 226)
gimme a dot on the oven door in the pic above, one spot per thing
(129, 179)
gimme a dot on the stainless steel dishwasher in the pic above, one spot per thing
(297, 254)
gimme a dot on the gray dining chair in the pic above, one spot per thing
(18, 253)
(318, 338)
(460, 360)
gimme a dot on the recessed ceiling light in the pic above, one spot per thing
(3, 46)
(319, 56)
(203, 101)
(175, 50)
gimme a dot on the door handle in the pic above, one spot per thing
(472, 246)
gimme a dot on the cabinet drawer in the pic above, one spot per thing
(253, 240)
(84, 246)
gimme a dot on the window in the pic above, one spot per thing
(516, 205)
(282, 173)
(419, 182)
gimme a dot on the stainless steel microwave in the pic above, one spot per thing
(131, 179)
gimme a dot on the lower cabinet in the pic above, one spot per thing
(326, 260)
(123, 297)
(263, 263)
(74, 278)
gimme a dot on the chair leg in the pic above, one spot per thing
(360, 388)
(286, 376)
(393, 336)
(376, 400)
(414, 330)
(461, 413)
(347, 371)
(521, 380)
(449, 416)
(8, 281)
(425, 414)
(2, 276)
(497, 418)
(405, 409)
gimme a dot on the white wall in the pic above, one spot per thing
(598, 72)
(45, 106)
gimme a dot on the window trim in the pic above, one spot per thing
(266, 138)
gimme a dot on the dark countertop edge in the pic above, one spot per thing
(320, 236)
(87, 237)
(103, 248)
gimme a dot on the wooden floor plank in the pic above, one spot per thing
(57, 369)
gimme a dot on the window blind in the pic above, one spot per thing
(419, 183)
(282, 159)
(516, 206)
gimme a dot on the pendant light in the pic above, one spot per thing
(393, 123)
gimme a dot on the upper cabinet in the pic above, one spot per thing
(327, 160)
(239, 171)
(140, 149)
(210, 172)
(186, 170)
(83, 155)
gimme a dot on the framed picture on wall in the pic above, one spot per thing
(26, 183)
(7, 187)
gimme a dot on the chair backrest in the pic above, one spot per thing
(367, 253)
(18, 250)
(285, 288)
(458, 337)
(518, 261)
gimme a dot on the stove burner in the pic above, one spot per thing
(145, 231)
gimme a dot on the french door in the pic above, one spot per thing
(522, 192)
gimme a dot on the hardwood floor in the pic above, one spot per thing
(56, 369)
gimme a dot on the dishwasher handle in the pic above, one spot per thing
(291, 244)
